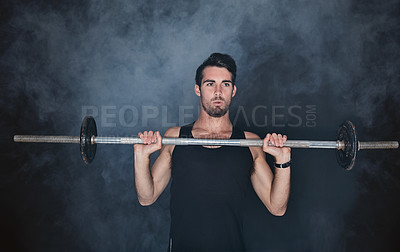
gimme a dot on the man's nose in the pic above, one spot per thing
(217, 89)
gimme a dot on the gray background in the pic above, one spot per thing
(303, 68)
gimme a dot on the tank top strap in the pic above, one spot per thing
(237, 133)
(186, 131)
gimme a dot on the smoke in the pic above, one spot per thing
(128, 59)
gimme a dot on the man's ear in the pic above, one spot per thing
(234, 91)
(197, 89)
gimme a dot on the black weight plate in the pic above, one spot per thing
(347, 133)
(88, 149)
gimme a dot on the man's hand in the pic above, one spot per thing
(281, 154)
(151, 142)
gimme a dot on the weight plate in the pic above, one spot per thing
(88, 149)
(347, 156)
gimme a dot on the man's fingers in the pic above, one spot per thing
(266, 140)
(284, 139)
(280, 142)
(153, 137)
(150, 137)
(275, 139)
(158, 137)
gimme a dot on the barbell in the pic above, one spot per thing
(347, 143)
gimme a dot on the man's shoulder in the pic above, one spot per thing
(172, 132)
(256, 152)
(251, 135)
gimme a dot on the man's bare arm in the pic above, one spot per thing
(272, 189)
(150, 184)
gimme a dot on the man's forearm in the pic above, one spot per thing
(143, 179)
(280, 190)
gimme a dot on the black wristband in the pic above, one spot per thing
(284, 165)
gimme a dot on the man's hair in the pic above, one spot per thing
(218, 60)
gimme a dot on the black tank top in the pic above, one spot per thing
(208, 190)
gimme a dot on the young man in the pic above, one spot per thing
(209, 183)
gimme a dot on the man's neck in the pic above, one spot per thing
(213, 124)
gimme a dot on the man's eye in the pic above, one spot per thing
(209, 84)
(227, 84)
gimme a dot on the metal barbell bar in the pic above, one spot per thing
(347, 143)
(181, 141)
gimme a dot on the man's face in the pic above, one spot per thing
(216, 90)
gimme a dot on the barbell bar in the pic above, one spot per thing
(347, 143)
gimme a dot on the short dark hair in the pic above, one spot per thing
(218, 60)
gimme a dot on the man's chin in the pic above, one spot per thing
(218, 113)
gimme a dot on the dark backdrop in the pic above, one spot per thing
(304, 67)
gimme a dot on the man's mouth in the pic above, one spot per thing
(217, 102)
